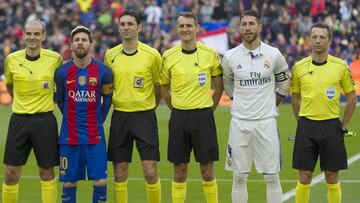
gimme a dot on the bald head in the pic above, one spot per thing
(35, 22)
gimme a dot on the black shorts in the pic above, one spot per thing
(38, 131)
(319, 137)
(129, 126)
(192, 129)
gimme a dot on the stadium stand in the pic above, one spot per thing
(285, 23)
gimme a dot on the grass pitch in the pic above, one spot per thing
(350, 179)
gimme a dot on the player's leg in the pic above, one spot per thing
(17, 150)
(333, 157)
(120, 149)
(69, 192)
(333, 187)
(179, 149)
(179, 188)
(239, 158)
(121, 171)
(10, 187)
(71, 170)
(302, 194)
(44, 138)
(267, 156)
(273, 188)
(209, 184)
(99, 191)
(96, 162)
(147, 143)
(239, 192)
(206, 150)
(305, 156)
(48, 185)
(153, 185)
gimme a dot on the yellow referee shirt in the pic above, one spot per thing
(134, 77)
(320, 87)
(189, 76)
(33, 81)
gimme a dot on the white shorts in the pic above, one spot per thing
(253, 140)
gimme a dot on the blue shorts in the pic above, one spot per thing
(74, 159)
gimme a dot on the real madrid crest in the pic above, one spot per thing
(82, 80)
(267, 64)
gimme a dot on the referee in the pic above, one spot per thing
(29, 77)
(136, 70)
(317, 83)
(186, 76)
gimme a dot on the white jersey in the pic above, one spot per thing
(253, 78)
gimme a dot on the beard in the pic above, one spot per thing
(81, 53)
(252, 38)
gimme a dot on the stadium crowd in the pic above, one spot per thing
(285, 23)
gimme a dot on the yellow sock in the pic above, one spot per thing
(178, 192)
(302, 193)
(153, 192)
(10, 193)
(210, 191)
(334, 193)
(49, 191)
(120, 192)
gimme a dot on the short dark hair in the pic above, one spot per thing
(250, 13)
(188, 15)
(322, 25)
(133, 14)
(81, 28)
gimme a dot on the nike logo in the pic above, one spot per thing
(70, 81)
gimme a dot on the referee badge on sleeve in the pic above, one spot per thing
(201, 79)
(138, 82)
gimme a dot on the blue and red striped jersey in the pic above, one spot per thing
(84, 98)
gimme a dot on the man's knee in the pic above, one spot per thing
(331, 177)
(12, 174)
(207, 171)
(47, 174)
(180, 172)
(150, 175)
(70, 184)
(305, 177)
(121, 172)
(239, 180)
(100, 183)
(272, 181)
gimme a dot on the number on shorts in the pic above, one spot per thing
(63, 162)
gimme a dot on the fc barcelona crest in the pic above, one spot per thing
(92, 81)
(82, 80)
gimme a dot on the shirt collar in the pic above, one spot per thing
(257, 52)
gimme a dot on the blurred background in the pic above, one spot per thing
(285, 24)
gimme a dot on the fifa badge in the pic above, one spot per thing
(330, 92)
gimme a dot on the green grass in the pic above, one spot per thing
(30, 185)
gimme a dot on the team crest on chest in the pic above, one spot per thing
(82, 80)
(267, 64)
(93, 81)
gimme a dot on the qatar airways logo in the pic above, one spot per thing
(82, 96)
